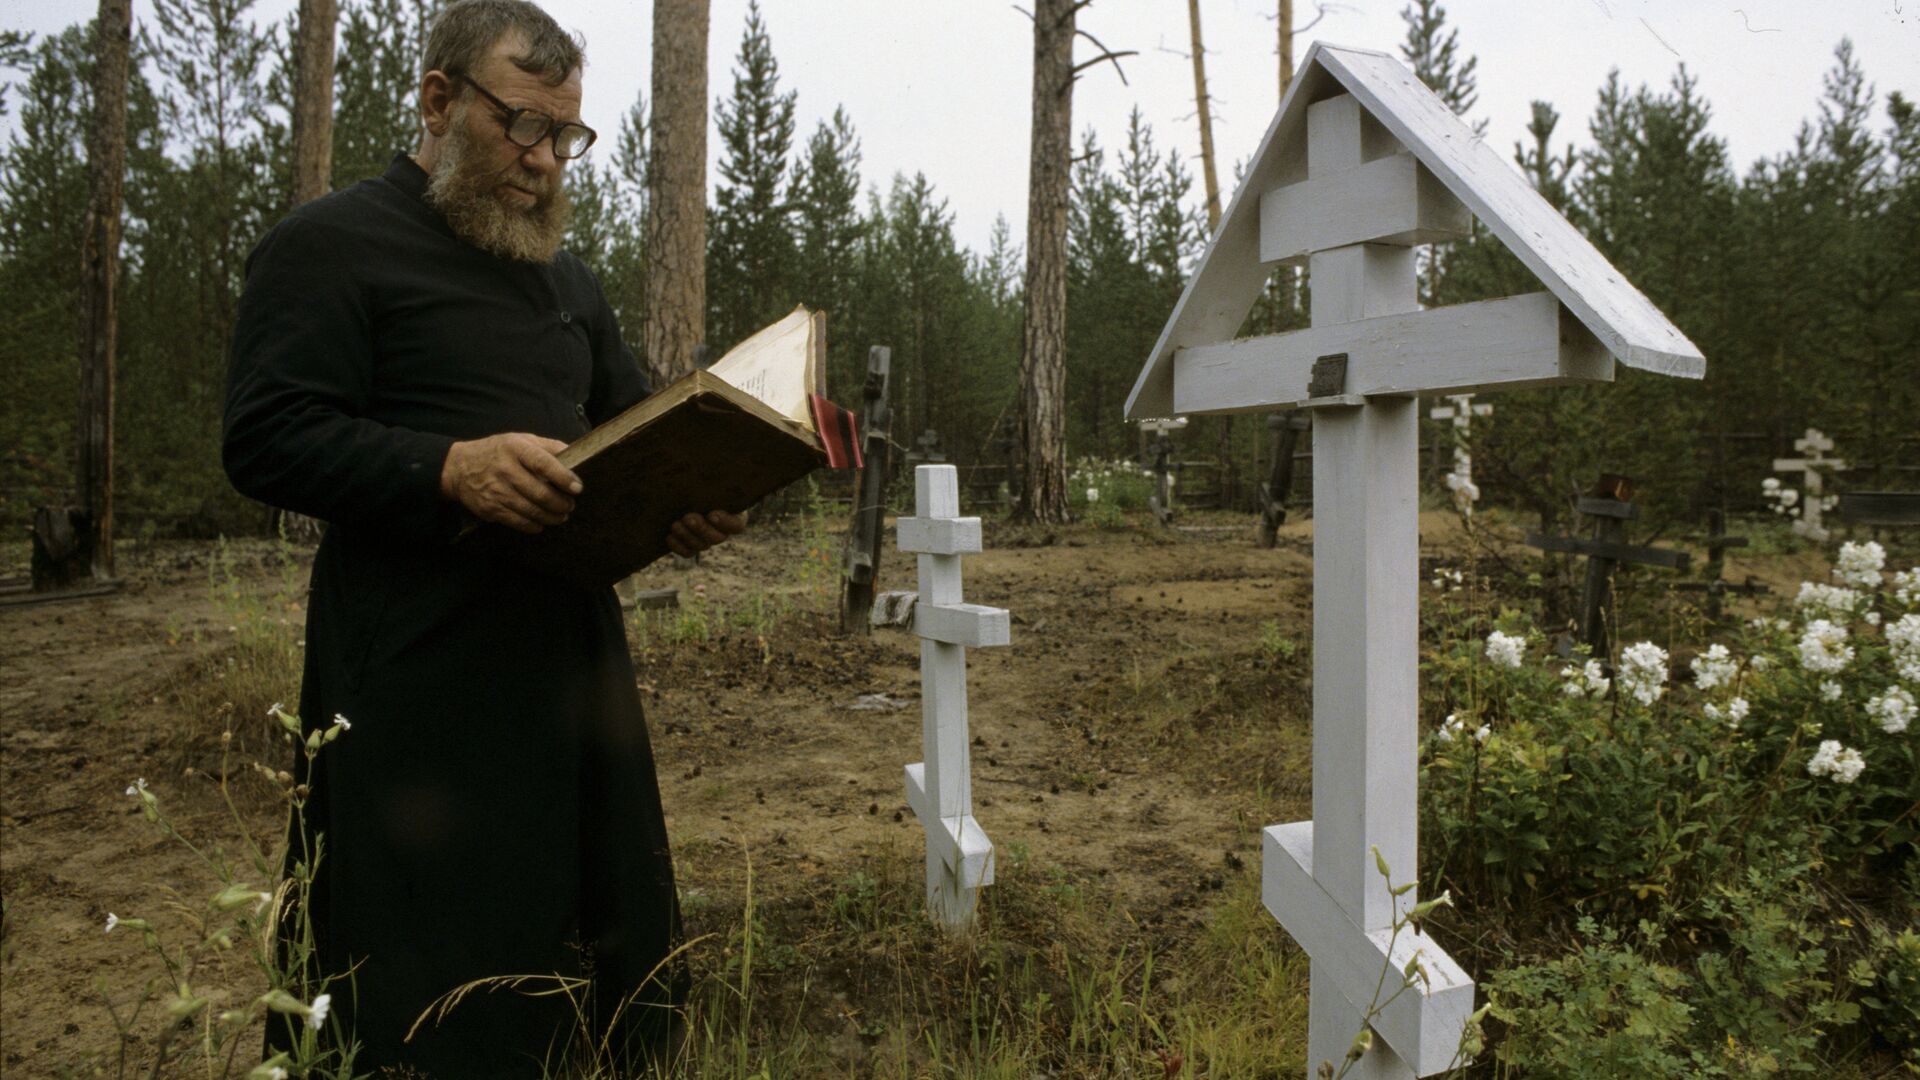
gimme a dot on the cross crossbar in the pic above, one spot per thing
(1509, 343)
(1610, 550)
(1423, 1023)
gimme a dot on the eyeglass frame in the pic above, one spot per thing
(513, 114)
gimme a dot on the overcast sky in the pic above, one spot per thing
(941, 86)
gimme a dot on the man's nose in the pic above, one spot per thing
(541, 158)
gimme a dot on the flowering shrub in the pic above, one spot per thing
(1121, 485)
(1688, 818)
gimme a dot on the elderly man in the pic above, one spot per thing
(409, 355)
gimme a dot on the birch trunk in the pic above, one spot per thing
(676, 267)
(1043, 359)
(100, 265)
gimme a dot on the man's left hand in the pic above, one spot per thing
(695, 533)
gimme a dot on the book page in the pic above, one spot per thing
(777, 365)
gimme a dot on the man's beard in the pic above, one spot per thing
(464, 188)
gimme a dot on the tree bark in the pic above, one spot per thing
(100, 265)
(312, 152)
(1286, 46)
(676, 256)
(313, 100)
(1204, 107)
(1043, 358)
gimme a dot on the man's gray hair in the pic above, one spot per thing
(467, 30)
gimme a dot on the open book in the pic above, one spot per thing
(720, 439)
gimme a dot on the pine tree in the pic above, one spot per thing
(751, 249)
(1434, 53)
(376, 87)
(826, 217)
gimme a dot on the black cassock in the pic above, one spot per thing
(493, 808)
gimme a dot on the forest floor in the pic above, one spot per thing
(1150, 717)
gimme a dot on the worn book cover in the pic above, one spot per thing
(720, 439)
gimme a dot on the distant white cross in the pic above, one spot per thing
(1813, 447)
(1460, 481)
(940, 787)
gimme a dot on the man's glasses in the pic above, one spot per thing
(526, 127)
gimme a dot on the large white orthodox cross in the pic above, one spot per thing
(1461, 413)
(1814, 461)
(1362, 164)
(940, 787)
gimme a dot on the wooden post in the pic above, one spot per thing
(940, 787)
(862, 570)
(1279, 486)
(100, 268)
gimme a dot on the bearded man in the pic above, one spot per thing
(409, 355)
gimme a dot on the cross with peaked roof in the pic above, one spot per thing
(1361, 164)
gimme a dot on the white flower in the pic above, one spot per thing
(1893, 710)
(1450, 727)
(1906, 586)
(1872, 617)
(112, 921)
(1760, 663)
(1903, 640)
(277, 1073)
(274, 710)
(1712, 710)
(1643, 671)
(1588, 681)
(342, 722)
(1770, 486)
(1737, 710)
(1826, 601)
(1860, 564)
(1843, 763)
(1505, 650)
(1824, 649)
(137, 787)
(318, 1014)
(1789, 496)
(1482, 734)
(1830, 690)
(1716, 667)
(1093, 495)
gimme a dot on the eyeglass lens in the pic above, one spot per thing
(530, 127)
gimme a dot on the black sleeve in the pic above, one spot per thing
(619, 380)
(295, 433)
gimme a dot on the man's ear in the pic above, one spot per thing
(436, 102)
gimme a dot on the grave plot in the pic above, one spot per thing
(1361, 164)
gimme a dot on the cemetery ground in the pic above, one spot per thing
(1151, 716)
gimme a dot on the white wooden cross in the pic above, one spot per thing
(940, 787)
(1361, 164)
(1813, 446)
(1460, 480)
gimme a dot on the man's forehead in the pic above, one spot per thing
(497, 67)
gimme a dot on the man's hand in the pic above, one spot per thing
(511, 479)
(693, 534)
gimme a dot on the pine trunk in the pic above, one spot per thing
(1043, 360)
(313, 101)
(312, 151)
(1286, 46)
(100, 264)
(676, 256)
(1226, 476)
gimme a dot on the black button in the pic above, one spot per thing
(580, 411)
(566, 316)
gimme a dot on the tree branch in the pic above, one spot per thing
(1105, 54)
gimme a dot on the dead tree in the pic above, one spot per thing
(1203, 104)
(1043, 357)
(100, 264)
(676, 265)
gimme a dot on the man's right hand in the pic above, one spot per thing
(512, 479)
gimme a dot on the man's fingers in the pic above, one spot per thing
(516, 521)
(698, 528)
(535, 490)
(727, 522)
(536, 455)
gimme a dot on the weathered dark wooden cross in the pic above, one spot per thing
(870, 495)
(1274, 493)
(1610, 505)
(1161, 501)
